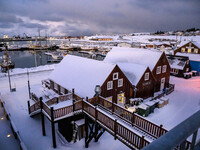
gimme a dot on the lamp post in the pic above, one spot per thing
(29, 92)
(97, 90)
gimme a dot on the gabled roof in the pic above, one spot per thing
(82, 74)
(132, 71)
(177, 62)
(145, 57)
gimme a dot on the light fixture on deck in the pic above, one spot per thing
(2, 118)
(97, 90)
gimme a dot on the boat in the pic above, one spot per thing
(57, 56)
(6, 63)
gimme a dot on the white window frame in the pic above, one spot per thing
(55, 86)
(196, 50)
(120, 82)
(146, 76)
(158, 70)
(109, 85)
(116, 73)
(110, 97)
(164, 68)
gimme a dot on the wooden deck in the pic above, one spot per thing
(130, 128)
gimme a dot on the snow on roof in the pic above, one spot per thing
(177, 63)
(132, 71)
(82, 74)
(196, 43)
(134, 55)
(193, 57)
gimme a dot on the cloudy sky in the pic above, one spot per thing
(86, 17)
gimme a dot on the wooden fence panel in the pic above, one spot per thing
(46, 109)
(105, 120)
(35, 107)
(78, 105)
(89, 108)
(63, 111)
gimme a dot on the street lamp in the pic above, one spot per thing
(97, 90)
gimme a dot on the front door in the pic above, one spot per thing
(121, 99)
(162, 84)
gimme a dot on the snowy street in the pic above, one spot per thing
(183, 102)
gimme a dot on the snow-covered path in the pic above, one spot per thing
(183, 102)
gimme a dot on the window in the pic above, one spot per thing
(109, 85)
(164, 68)
(120, 82)
(196, 50)
(158, 71)
(146, 76)
(187, 69)
(115, 76)
(121, 99)
(189, 50)
(183, 50)
(187, 62)
(174, 71)
(109, 98)
(55, 86)
(62, 90)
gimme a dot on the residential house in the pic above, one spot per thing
(83, 74)
(189, 47)
(179, 65)
(154, 59)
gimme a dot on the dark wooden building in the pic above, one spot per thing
(83, 74)
(154, 59)
(179, 65)
(190, 47)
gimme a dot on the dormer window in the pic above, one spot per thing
(115, 76)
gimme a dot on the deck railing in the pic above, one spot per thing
(35, 107)
(116, 128)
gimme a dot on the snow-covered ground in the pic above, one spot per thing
(184, 101)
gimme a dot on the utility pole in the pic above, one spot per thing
(8, 68)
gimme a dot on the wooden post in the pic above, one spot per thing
(133, 121)
(29, 110)
(42, 118)
(73, 106)
(53, 128)
(160, 130)
(115, 129)
(87, 99)
(96, 126)
(142, 142)
(57, 100)
(112, 107)
(86, 131)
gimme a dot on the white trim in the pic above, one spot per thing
(146, 76)
(115, 78)
(158, 70)
(109, 85)
(120, 82)
(164, 68)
